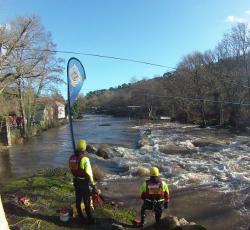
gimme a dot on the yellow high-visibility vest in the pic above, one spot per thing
(86, 167)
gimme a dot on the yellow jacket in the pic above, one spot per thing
(86, 167)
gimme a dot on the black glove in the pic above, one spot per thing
(165, 205)
(94, 190)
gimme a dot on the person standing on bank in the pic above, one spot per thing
(155, 195)
(80, 167)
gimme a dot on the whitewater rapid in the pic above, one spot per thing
(190, 156)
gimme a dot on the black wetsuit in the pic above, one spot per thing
(82, 193)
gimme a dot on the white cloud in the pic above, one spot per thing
(236, 19)
(243, 19)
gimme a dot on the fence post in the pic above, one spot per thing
(5, 133)
(8, 134)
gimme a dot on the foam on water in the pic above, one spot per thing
(199, 157)
(224, 161)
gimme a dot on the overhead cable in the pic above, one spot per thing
(101, 56)
(121, 59)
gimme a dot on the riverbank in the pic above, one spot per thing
(209, 164)
(51, 190)
(14, 135)
(32, 203)
(46, 193)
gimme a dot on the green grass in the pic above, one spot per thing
(16, 185)
(48, 192)
(51, 190)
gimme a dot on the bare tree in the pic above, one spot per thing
(240, 45)
(210, 86)
(28, 65)
(229, 70)
(192, 68)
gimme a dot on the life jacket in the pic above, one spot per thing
(154, 190)
(74, 165)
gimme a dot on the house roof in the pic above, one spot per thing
(50, 101)
(58, 103)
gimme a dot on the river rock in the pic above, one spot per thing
(176, 221)
(182, 221)
(91, 148)
(178, 169)
(107, 151)
(142, 172)
(116, 227)
(187, 144)
(204, 143)
(144, 141)
(192, 227)
(192, 223)
(173, 223)
(123, 169)
(167, 223)
(102, 152)
(174, 149)
(147, 148)
(247, 203)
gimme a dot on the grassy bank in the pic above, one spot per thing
(49, 191)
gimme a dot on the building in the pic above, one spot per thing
(60, 110)
(49, 111)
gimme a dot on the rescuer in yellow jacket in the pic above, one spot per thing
(80, 167)
(155, 195)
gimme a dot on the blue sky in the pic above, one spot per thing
(158, 31)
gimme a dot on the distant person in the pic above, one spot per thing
(12, 120)
(155, 195)
(80, 167)
(19, 121)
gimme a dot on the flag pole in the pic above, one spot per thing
(69, 110)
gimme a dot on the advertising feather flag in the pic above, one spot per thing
(75, 76)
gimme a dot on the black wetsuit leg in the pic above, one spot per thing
(147, 205)
(82, 193)
(158, 209)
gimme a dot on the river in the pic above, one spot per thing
(53, 147)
